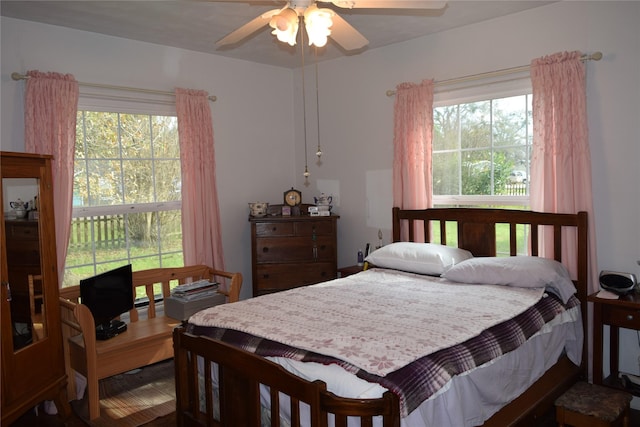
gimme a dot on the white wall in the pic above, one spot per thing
(259, 150)
(253, 139)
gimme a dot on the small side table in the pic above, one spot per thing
(349, 270)
(623, 312)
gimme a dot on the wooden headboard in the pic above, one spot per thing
(476, 232)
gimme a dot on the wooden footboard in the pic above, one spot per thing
(235, 400)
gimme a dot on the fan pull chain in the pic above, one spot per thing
(319, 150)
(304, 107)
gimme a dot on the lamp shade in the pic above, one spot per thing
(285, 26)
(318, 23)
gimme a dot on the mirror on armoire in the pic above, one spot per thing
(24, 293)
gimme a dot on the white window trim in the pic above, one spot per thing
(482, 200)
(131, 208)
(111, 100)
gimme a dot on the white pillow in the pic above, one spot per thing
(521, 271)
(421, 258)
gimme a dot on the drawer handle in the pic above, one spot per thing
(629, 316)
(274, 229)
(265, 276)
(265, 250)
(8, 291)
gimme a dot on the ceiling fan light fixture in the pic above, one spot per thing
(285, 26)
(318, 23)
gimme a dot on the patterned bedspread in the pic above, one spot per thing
(420, 377)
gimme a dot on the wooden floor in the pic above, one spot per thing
(30, 420)
(43, 420)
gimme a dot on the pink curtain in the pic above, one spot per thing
(51, 107)
(561, 160)
(201, 230)
(412, 142)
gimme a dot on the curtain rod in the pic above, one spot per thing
(596, 56)
(18, 76)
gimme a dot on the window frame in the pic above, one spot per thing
(108, 100)
(486, 88)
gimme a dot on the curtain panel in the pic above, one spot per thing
(201, 229)
(51, 106)
(412, 145)
(561, 159)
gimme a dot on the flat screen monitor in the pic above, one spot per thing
(108, 295)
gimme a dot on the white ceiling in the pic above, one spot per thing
(197, 25)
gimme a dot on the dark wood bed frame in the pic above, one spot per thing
(241, 372)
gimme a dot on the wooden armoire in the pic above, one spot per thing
(33, 368)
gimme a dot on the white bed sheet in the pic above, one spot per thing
(469, 399)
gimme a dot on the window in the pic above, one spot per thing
(481, 152)
(126, 194)
(482, 138)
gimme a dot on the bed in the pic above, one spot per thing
(235, 371)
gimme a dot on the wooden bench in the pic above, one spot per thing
(147, 340)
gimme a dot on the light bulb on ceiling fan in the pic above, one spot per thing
(318, 23)
(285, 26)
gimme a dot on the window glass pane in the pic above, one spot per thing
(135, 135)
(105, 182)
(138, 181)
(171, 226)
(476, 172)
(168, 183)
(510, 121)
(446, 168)
(475, 124)
(143, 234)
(446, 128)
(165, 137)
(100, 131)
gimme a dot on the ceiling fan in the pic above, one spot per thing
(319, 23)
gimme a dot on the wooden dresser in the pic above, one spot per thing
(288, 252)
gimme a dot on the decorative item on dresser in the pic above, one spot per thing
(292, 251)
(33, 366)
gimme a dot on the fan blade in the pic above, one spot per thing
(346, 36)
(247, 29)
(388, 4)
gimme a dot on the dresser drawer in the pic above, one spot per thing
(621, 316)
(310, 228)
(266, 229)
(294, 249)
(23, 252)
(21, 230)
(278, 277)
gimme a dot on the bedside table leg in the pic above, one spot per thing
(597, 344)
